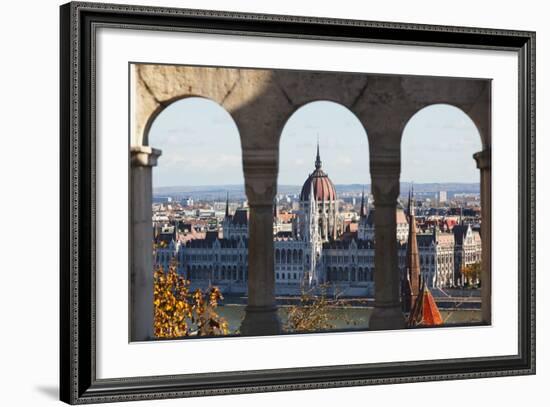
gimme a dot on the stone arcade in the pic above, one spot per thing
(260, 102)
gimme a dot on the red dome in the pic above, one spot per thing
(323, 188)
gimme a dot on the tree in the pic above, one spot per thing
(311, 314)
(180, 312)
(472, 274)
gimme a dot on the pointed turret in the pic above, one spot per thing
(227, 206)
(413, 263)
(313, 217)
(363, 213)
(318, 162)
(436, 230)
(410, 208)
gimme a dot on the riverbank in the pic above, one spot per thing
(444, 302)
(346, 317)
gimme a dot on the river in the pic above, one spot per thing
(342, 318)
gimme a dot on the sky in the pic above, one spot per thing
(200, 145)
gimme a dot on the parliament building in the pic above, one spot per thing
(314, 251)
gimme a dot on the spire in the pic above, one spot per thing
(275, 208)
(413, 263)
(318, 158)
(411, 199)
(227, 206)
(363, 203)
(311, 216)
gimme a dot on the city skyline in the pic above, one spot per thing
(200, 143)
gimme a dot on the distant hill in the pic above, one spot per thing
(237, 191)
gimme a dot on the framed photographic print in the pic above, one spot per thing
(257, 203)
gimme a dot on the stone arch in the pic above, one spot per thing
(344, 159)
(477, 113)
(261, 101)
(447, 111)
(313, 112)
(157, 112)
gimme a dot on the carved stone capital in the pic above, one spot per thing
(483, 159)
(144, 156)
(260, 173)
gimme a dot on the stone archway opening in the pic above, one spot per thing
(194, 167)
(200, 145)
(440, 147)
(437, 136)
(323, 188)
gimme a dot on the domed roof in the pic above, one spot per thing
(323, 188)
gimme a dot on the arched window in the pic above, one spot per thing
(340, 160)
(437, 135)
(200, 145)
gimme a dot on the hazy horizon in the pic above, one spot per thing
(237, 191)
(300, 185)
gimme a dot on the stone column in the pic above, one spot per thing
(483, 160)
(260, 171)
(142, 159)
(387, 312)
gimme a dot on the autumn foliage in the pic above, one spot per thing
(472, 274)
(311, 314)
(180, 312)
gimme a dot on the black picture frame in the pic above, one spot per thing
(78, 382)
